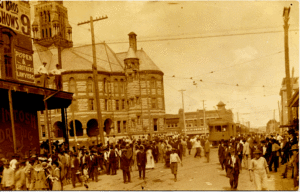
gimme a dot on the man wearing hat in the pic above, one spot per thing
(141, 162)
(234, 166)
(57, 73)
(125, 165)
(259, 171)
(44, 74)
(294, 162)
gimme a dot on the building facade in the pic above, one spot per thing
(130, 86)
(284, 101)
(194, 121)
(21, 99)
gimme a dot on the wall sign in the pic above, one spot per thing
(24, 66)
(26, 128)
(16, 16)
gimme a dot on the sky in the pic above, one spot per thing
(229, 51)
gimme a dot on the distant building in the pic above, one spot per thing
(194, 121)
(284, 102)
(131, 87)
(272, 126)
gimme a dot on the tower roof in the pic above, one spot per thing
(131, 54)
(221, 104)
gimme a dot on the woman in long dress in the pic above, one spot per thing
(56, 186)
(150, 160)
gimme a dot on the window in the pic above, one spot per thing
(123, 104)
(106, 105)
(72, 85)
(195, 123)
(7, 39)
(90, 85)
(152, 83)
(224, 128)
(117, 105)
(105, 85)
(50, 34)
(43, 131)
(124, 126)
(122, 86)
(132, 102)
(132, 123)
(153, 101)
(137, 100)
(201, 122)
(218, 128)
(119, 126)
(91, 105)
(49, 19)
(116, 86)
(43, 33)
(138, 119)
(46, 32)
(155, 124)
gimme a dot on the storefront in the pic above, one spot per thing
(20, 98)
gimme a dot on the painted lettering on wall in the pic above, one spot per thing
(24, 66)
(15, 15)
(27, 136)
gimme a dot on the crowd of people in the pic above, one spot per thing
(260, 154)
(82, 164)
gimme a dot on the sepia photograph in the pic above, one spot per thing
(149, 95)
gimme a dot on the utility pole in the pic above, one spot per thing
(95, 76)
(280, 130)
(286, 12)
(204, 119)
(184, 128)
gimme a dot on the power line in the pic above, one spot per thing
(202, 37)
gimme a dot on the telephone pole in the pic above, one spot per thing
(184, 128)
(286, 12)
(95, 77)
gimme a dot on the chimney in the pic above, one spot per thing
(132, 40)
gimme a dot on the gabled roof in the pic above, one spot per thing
(78, 58)
(145, 62)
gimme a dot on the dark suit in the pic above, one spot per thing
(141, 162)
(125, 164)
(74, 169)
(234, 171)
(239, 152)
(221, 154)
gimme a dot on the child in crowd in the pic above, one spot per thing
(174, 160)
(85, 173)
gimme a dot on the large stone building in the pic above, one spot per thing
(130, 85)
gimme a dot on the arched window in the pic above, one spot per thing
(90, 85)
(152, 83)
(7, 39)
(72, 85)
(116, 86)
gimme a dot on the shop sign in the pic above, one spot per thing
(24, 66)
(16, 16)
(27, 135)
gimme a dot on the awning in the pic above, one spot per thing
(25, 96)
(284, 126)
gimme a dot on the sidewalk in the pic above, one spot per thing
(278, 183)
